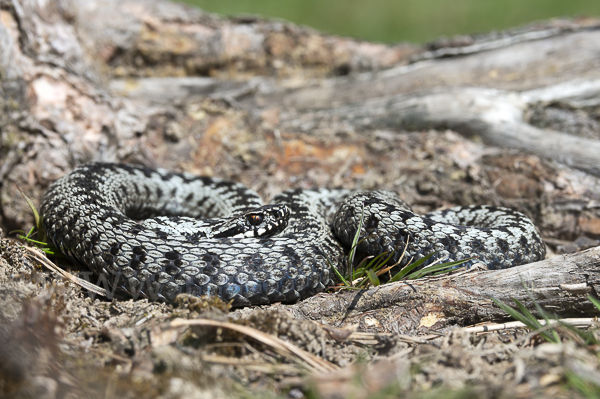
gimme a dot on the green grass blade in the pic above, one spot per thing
(355, 241)
(364, 239)
(30, 232)
(45, 244)
(363, 265)
(407, 269)
(542, 313)
(588, 389)
(340, 276)
(515, 314)
(36, 215)
(369, 262)
(335, 270)
(375, 262)
(594, 301)
(390, 256)
(439, 269)
(385, 262)
(373, 278)
(48, 248)
(531, 322)
(448, 270)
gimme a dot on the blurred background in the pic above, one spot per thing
(405, 20)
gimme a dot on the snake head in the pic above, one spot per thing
(265, 221)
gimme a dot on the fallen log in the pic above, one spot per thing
(560, 285)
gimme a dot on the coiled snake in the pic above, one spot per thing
(157, 234)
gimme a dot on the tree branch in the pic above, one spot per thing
(560, 285)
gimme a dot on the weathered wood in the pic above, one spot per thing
(560, 285)
(497, 117)
(561, 53)
(485, 93)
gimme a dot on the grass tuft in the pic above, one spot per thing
(37, 231)
(548, 331)
(370, 268)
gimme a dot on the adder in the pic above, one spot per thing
(157, 233)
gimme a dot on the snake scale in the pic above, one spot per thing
(157, 233)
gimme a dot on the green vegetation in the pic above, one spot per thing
(558, 332)
(548, 331)
(406, 20)
(36, 231)
(370, 268)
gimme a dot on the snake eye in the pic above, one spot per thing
(255, 220)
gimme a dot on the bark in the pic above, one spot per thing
(560, 285)
(505, 118)
(494, 116)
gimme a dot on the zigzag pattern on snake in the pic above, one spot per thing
(157, 234)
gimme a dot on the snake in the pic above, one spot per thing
(155, 234)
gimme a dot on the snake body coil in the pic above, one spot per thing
(157, 234)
